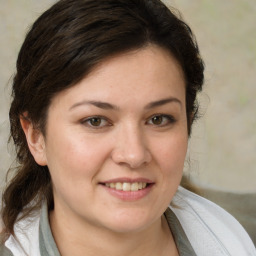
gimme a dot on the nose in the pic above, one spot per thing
(130, 148)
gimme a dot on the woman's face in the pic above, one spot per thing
(116, 142)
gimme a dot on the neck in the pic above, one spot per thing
(77, 240)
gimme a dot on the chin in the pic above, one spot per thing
(131, 223)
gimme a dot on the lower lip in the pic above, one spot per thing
(129, 195)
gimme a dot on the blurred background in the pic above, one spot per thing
(223, 145)
(222, 149)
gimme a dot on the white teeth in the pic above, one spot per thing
(134, 186)
(126, 186)
(119, 186)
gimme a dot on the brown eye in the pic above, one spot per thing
(95, 121)
(161, 120)
(157, 120)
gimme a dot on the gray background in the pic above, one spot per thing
(223, 145)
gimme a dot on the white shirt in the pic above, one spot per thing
(210, 230)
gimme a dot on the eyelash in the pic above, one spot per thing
(165, 121)
(168, 119)
(88, 122)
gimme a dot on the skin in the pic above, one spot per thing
(141, 133)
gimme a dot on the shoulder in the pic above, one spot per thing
(208, 226)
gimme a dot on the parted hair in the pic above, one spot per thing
(63, 46)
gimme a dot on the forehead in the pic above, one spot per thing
(147, 60)
(137, 77)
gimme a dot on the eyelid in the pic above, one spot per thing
(85, 121)
(170, 119)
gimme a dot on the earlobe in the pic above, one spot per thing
(35, 140)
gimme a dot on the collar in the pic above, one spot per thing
(49, 247)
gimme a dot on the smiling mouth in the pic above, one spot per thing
(127, 186)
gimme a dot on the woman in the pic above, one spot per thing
(103, 102)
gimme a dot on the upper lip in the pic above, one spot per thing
(128, 180)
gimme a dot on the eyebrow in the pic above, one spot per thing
(163, 102)
(99, 104)
(108, 106)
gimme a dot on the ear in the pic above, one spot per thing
(35, 140)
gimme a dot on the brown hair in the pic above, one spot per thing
(62, 47)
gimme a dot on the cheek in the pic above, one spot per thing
(75, 155)
(171, 153)
(74, 164)
(170, 156)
